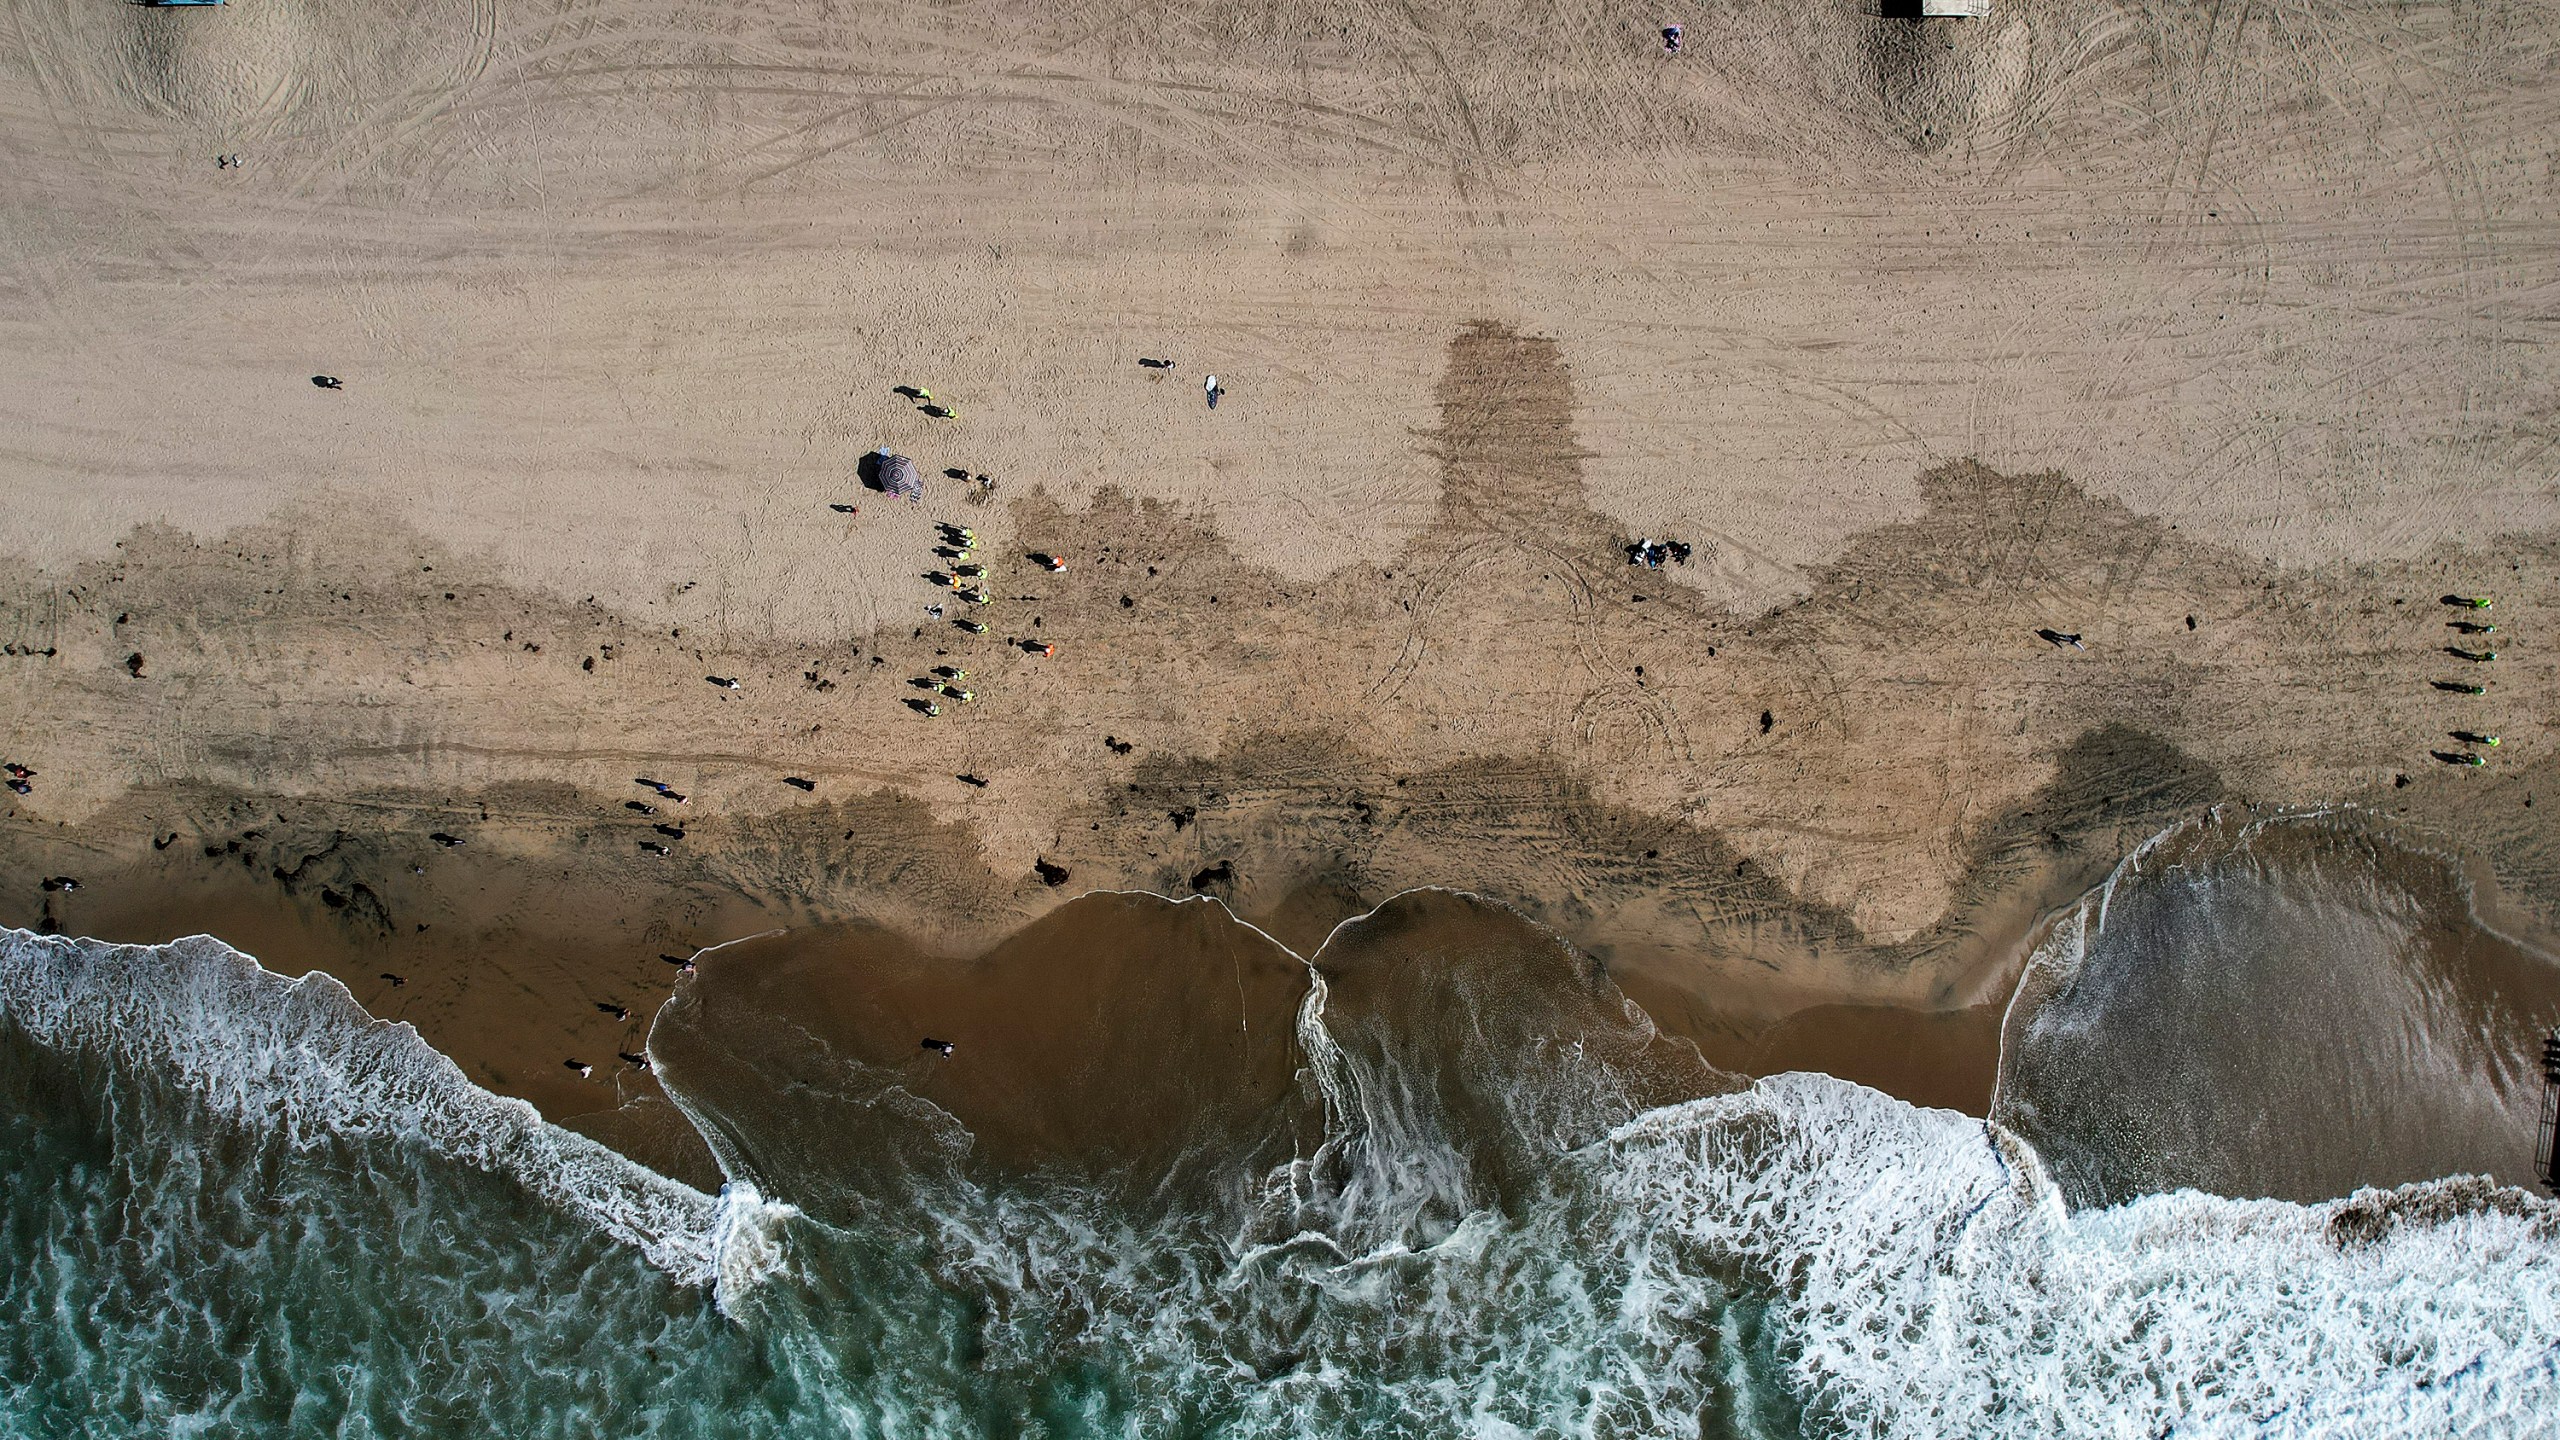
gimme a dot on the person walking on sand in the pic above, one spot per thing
(1211, 386)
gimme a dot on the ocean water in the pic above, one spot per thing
(1489, 1202)
(2292, 1006)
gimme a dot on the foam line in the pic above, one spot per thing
(301, 1061)
(1934, 1285)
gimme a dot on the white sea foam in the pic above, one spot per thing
(1934, 1284)
(301, 1060)
(1923, 1277)
(746, 1243)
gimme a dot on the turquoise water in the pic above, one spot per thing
(238, 1206)
(188, 1253)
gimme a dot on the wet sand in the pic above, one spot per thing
(505, 952)
(503, 960)
(1949, 1059)
(1139, 1041)
(2294, 1008)
(617, 325)
(1155, 1049)
(1115, 1034)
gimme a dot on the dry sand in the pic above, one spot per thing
(2216, 334)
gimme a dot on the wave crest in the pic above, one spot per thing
(1932, 1285)
(302, 1061)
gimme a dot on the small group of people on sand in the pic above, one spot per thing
(2469, 758)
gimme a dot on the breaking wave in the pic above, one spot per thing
(302, 1062)
(1493, 1202)
(1933, 1283)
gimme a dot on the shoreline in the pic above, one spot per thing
(1106, 972)
(492, 1039)
(1864, 697)
(519, 943)
(1854, 1198)
(1867, 798)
